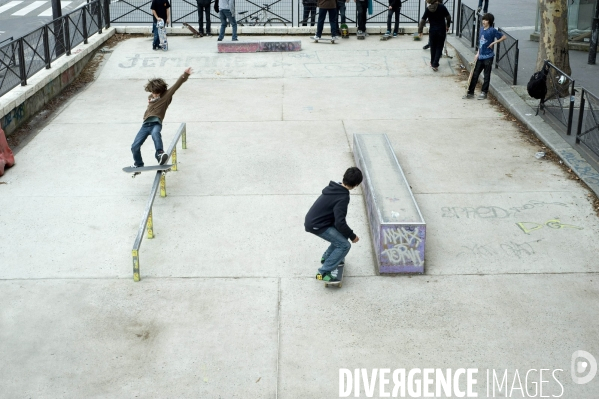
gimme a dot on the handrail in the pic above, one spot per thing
(159, 182)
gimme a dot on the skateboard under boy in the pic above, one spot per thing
(324, 39)
(338, 274)
(361, 36)
(193, 30)
(137, 171)
(344, 31)
(162, 35)
(386, 36)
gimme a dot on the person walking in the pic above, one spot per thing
(327, 7)
(226, 12)
(204, 8)
(440, 21)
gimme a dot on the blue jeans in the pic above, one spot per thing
(486, 7)
(156, 42)
(336, 252)
(341, 8)
(224, 16)
(147, 129)
(322, 14)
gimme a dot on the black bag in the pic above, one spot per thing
(537, 85)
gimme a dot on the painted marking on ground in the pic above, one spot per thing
(30, 7)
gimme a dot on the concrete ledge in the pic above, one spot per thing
(22, 102)
(259, 46)
(525, 114)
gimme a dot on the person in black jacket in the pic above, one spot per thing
(440, 21)
(204, 8)
(394, 8)
(326, 219)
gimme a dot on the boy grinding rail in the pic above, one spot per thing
(158, 101)
(326, 219)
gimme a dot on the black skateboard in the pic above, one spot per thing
(386, 37)
(137, 171)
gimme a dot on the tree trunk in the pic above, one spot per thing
(553, 41)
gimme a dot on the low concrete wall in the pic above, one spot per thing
(23, 102)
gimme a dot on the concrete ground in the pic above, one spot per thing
(228, 306)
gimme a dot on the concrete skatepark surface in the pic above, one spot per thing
(228, 305)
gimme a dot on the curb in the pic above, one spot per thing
(516, 105)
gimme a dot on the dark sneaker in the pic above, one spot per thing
(235, 40)
(426, 47)
(162, 158)
(219, 39)
(394, 34)
(482, 96)
(468, 97)
(342, 263)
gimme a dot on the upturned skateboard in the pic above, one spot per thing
(137, 171)
(470, 77)
(361, 36)
(338, 274)
(193, 30)
(323, 39)
(344, 31)
(162, 35)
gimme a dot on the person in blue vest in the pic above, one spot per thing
(489, 37)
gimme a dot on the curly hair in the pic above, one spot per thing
(157, 86)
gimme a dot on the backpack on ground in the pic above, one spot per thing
(537, 85)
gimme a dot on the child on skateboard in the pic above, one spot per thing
(158, 101)
(326, 219)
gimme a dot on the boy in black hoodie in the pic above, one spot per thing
(326, 219)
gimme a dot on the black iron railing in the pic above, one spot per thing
(23, 57)
(588, 122)
(507, 56)
(560, 97)
(467, 24)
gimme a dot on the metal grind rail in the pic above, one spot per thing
(159, 183)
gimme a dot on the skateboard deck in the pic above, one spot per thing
(136, 171)
(323, 39)
(361, 36)
(386, 37)
(192, 30)
(470, 77)
(162, 35)
(338, 273)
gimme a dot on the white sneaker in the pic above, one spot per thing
(336, 37)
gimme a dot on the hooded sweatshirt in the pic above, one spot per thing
(437, 16)
(330, 209)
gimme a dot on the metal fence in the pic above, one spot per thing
(560, 97)
(588, 121)
(27, 55)
(467, 24)
(276, 12)
(507, 56)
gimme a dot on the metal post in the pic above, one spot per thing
(571, 112)
(163, 184)
(84, 19)
(184, 138)
(594, 36)
(516, 65)
(150, 225)
(135, 265)
(473, 30)
(458, 17)
(58, 27)
(98, 14)
(107, 13)
(497, 55)
(580, 116)
(22, 69)
(47, 57)
(174, 159)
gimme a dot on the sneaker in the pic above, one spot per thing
(478, 9)
(220, 39)
(234, 40)
(394, 34)
(162, 158)
(342, 263)
(209, 34)
(388, 33)
(468, 97)
(360, 32)
(315, 37)
(482, 96)
(366, 34)
(336, 37)
(426, 47)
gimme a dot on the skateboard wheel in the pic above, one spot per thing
(340, 284)
(326, 286)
